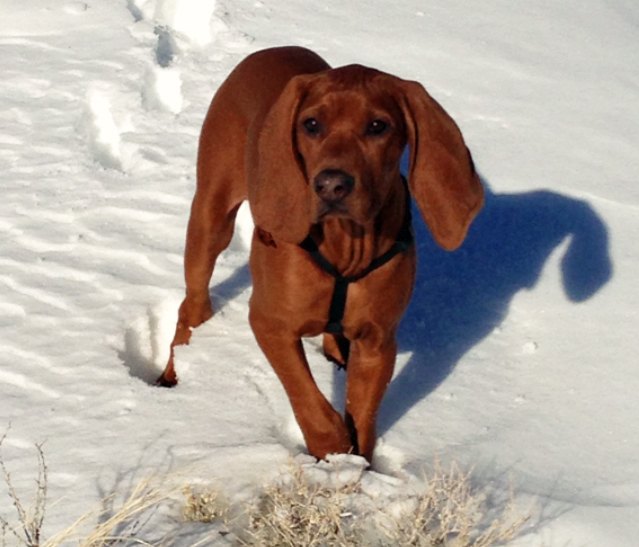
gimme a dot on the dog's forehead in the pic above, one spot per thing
(352, 88)
(350, 76)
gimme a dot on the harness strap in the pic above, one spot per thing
(340, 290)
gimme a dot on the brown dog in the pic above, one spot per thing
(316, 151)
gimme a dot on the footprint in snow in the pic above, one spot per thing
(103, 134)
(162, 89)
(106, 117)
(166, 47)
(179, 26)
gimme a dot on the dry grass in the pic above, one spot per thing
(292, 511)
(203, 505)
(30, 518)
(450, 512)
(297, 512)
(116, 527)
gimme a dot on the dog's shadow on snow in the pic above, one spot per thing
(460, 297)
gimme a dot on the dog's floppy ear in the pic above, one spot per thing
(442, 176)
(278, 190)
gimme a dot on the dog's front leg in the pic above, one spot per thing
(209, 233)
(323, 428)
(370, 369)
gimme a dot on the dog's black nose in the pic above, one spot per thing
(333, 185)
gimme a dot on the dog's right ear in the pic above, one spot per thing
(279, 194)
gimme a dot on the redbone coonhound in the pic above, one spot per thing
(316, 152)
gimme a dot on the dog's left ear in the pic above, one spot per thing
(442, 177)
(278, 191)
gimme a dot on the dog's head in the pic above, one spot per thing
(331, 146)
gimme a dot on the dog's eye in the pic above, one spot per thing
(376, 127)
(311, 126)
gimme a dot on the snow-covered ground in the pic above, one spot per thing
(517, 355)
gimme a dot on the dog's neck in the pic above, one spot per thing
(351, 247)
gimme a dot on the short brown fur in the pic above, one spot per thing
(254, 145)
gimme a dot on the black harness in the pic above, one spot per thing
(338, 301)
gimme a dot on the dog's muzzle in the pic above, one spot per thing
(333, 185)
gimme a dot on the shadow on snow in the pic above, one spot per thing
(460, 297)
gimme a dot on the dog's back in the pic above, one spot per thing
(242, 102)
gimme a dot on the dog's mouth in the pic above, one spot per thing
(346, 211)
(332, 210)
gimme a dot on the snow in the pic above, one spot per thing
(517, 356)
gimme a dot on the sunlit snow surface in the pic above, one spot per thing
(518, 353)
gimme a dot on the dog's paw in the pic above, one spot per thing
(147, 343)
(167, 380)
